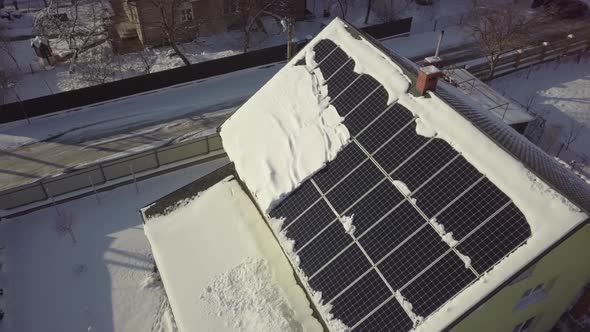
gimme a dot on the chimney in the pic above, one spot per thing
(427, 78)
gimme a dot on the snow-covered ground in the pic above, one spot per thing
(34, 80)
(560, 93)
(101, 282)
(222, 268)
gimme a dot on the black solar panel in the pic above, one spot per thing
(471, 209)
(412, 257)
(355, 94)
(360, 299)
(310, 223)
(385, 127)
(394, 246)
(298, 201)
(333, 63)
(353, 187)
(390, 317)
(441, 282)
(323, 49)
(425, 163)
(340, 273)
(349, 158)
(397, 227)
(446, 186)
(496, 238)
(374, 206)
(400, 148)
(342, 79)
(366, 112)
(323, 248)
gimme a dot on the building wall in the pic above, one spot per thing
(564, 271)
(207, 13)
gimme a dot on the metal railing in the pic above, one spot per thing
(528, 57)
(100, 173)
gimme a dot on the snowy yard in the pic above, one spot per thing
(560, 93)
(33, 80)
(102, 281)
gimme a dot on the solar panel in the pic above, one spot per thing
(446, 186)
(374, 205)
(361, 89)
(299, 200)
(395, 245)
(340, 273)
(348, 159)
(333, 62)
(439, 283)
(471, 209)
(425, 163)
(355, 186)
(496, 238)
(411, 257)
(342, 79)
(399, 148)
(323, 248)
(310, 223)
(366, 112)
(360, 299)
(392, 121)
(389, 317)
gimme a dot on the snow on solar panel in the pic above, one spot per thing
(399, 188)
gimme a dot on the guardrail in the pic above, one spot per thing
(526, 58)
(100, 173)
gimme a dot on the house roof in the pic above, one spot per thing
(339, 150)
(220, 264)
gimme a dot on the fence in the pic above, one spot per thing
(438, 23)
(101, 173)
(526, 58)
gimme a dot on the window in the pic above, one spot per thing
(524, 326)
(186, 15)
(531, 296)
(230, 6)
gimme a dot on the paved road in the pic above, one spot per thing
(87, 144)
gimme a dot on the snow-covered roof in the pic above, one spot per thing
(290, 129)
(221, 266)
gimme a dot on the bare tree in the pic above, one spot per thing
(499, 29)
(171, 27)
(250, 12)
(82, 25)
(64, 225)
(573, 133)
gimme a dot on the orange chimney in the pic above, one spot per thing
(427, 78)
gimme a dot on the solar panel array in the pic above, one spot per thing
(396, 245)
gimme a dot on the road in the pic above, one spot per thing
(54, 144)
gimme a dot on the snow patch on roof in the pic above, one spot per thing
(248, 297)
(447, 237)
(219, 240)
(346, 222)
(284, 134)
(402, 187)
